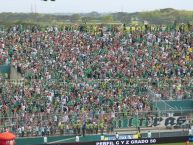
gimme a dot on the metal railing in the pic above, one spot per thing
(54, 124)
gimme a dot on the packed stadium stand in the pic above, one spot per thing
(97, 78)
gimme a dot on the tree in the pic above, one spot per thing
(107, 19)
(84, 20)
(75, 18)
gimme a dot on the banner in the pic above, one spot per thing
(151, 122)
(127, 142)
(133, 141)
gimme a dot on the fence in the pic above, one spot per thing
(47, 123)
(174, 105)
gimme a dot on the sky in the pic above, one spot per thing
(83, 6)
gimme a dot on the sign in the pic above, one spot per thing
(190, 139)
(123, 137)
(144, 141)
(151, 122)
(128, 142)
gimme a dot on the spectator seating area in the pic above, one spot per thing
(73, 76)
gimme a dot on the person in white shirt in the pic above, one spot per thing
(149, 134)
(36, 130)
(65, 118)
(102, 137)
(19, 131)
(55, 120)
(117, 136)
(77, 138)
(192, 129)
(22, 131)
(45, 139)
(190, 132)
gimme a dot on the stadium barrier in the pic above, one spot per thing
(132, 141)
(120, 122)
(39, 140)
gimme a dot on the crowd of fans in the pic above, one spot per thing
(77, 78)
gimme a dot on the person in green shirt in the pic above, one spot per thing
(101, 126)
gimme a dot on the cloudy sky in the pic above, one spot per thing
(76, 6)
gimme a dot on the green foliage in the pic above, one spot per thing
(163, 16)
(107, 19)
(166, 16)
(84, 19)
(75, 18)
